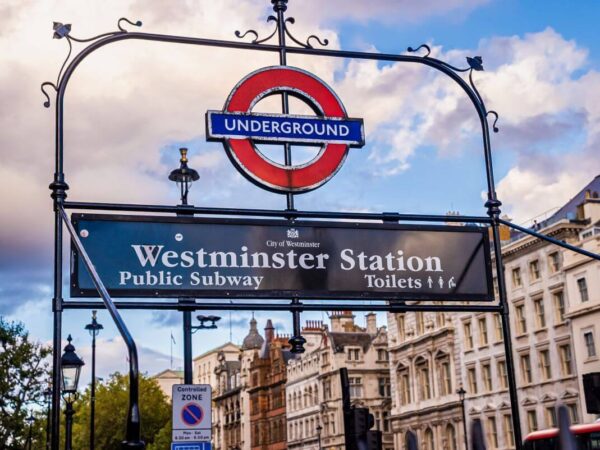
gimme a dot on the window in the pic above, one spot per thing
(386, 422)
(526, 369)
(573, 415)
(559, 307)
(521, 319)
(487, 377)
(516, 277)
(451, 437)
(420, 322)
(498, 328)
(355, 387)
(496, 290)
(404, 387)
(483, 334)
(534, 270)
(383, 355)
(565, 360)
(424, 385)
(468, 335)
(540, 314)
(551, 417)
(583, 290)
(445, 378)
(502, 374)
(532, 421)
(429, 439)
(545, 365)
(384, 387)
(492, 432)
(588, 338)
(472, 379)
(508, 430)
(554, 260)
(353, 354)
(327, 389)
(401, 326)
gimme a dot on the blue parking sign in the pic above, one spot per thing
(191, 446)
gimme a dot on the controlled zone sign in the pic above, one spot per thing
(144, 256)
(192, 414)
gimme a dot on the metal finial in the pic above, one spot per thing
(183, 152)
(279, 5)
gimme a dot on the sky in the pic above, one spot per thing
(130, 106)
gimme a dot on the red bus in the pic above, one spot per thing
(587, 437)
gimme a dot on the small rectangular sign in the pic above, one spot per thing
(191, 446)
(143, 256)
(192, 418)
(309, 130)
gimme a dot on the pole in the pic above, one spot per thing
(464, 420)
(48, 444)
(93, 392)
(29, 437)
(187, 347)
(69, 412)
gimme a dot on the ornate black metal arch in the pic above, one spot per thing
(283, 32)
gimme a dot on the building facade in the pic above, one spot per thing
(315, 414)
(167, 378)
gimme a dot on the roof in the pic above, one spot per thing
(340, 340)
(253, 340)
(169, 373)
(217, 349)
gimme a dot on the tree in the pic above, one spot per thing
(23, 373)
(112, 400)
(163, 439)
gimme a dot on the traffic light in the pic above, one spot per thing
(591, 389)
(363, 438)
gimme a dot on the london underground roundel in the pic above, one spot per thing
(240, 129)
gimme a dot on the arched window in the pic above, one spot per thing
(309, 398)
(451, 438)
(423, 378)
(443, 373)
(428, 440)
(404, 385)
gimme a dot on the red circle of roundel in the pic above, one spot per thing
(245, 155)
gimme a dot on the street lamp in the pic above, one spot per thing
(184, 176)
(461, 395)
(94, 329)
(203, 320)
(319, 429)
(71, 369)
(48, 397)
(30, 421)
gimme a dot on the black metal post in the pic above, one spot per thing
(94, 329)
(297, 341)
(30, 434)
(48, 413)
(461, 394)
(69, 412)
(187, 347)
(319, 429)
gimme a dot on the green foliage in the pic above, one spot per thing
(112, 400)
(23, 372)
(162, 441)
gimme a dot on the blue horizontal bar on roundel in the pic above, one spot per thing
(311, 130)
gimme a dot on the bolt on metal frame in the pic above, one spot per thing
(59, 189)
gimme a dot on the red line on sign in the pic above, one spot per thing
(187, 409)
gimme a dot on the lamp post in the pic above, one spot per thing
(48, 397)
(319, 429)
(71, 369)
(30, 421)
(94, 329)
(461, 395)
(184, 177)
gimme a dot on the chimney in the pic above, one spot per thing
(371, 323)
(342, 321)
(269, 331)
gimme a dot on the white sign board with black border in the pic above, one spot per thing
(192, 421)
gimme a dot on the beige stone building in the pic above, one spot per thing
(313, 388)
(425, 367)
(554, 301)
(167, 378)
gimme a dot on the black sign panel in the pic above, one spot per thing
(141, 256)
